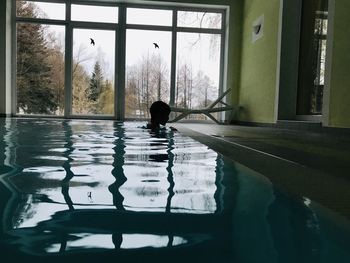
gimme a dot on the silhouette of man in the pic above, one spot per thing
(159, 114)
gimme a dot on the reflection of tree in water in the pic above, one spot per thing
(148, 191)
(23, 211)
(27, 185)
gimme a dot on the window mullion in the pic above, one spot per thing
(120, 76)
(200, 30)
(223, 69)
(68, 87)
(222, 53)
(13, 59)
(173, 59)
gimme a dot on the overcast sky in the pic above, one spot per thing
(139, 42)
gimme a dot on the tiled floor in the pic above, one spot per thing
(311, 164)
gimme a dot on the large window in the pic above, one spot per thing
(113, 60)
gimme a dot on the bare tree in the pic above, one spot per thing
(81, 103)
(203, 20)
(56, 59)
(184, 86)
(146, 82)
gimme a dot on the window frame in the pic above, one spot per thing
(120, 29)
(317, 38)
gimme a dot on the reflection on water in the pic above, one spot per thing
(78, 186)
(93, 166)
(105, 241)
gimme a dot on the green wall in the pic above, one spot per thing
(258, 63)
(339, 96)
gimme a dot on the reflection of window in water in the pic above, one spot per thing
(60, 188)
(266, 212)
(105, 241)
(168, 177)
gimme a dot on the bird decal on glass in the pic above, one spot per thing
(89, 194)
(155, 45)
(92, 42)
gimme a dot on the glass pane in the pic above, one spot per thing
(40, 69)
(149, 17)
(321, 22)
(93, 71)
(91, 13)
(323, 46)
(197, 70)
(147, 70)
(199, 19)
(41, 10)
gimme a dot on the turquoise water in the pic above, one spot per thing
(89, 190)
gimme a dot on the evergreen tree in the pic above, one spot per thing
(34, 89)
(96, 83)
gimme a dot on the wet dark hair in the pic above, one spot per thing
(159, 107)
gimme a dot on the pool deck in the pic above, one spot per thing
(313, 164)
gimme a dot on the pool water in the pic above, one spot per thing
(90, 190)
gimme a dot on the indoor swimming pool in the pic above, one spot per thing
(93, 190)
